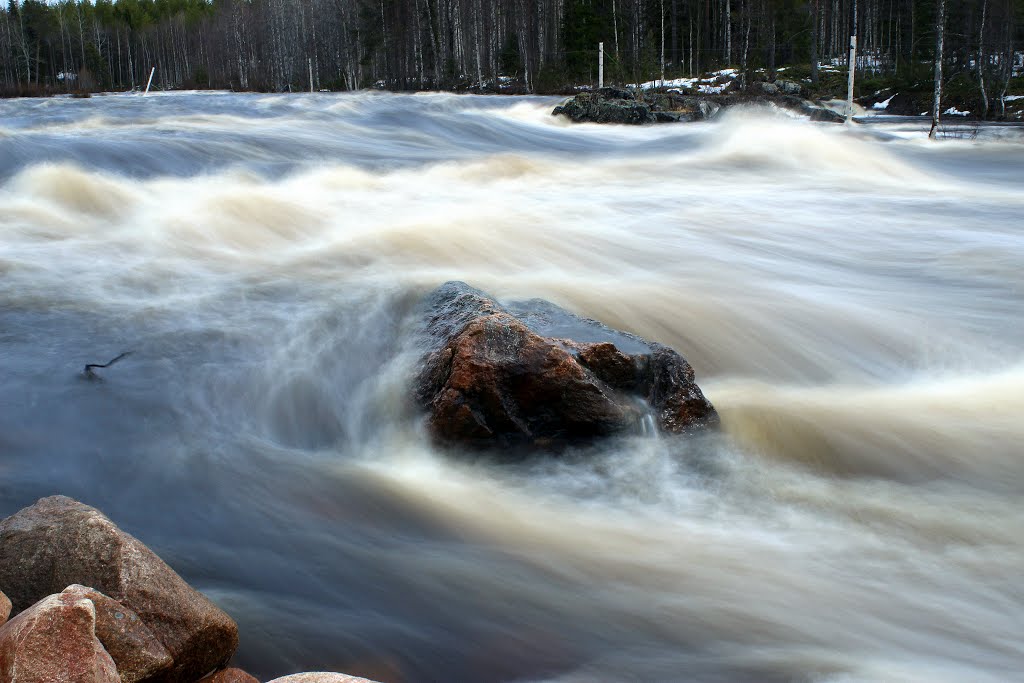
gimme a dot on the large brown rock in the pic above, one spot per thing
(320, 677)
(5, 608)
(58, 542)
(136, 652)
(533, 375)
(55, 641)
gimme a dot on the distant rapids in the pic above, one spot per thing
(852, 300)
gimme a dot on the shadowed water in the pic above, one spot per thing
(851, 300)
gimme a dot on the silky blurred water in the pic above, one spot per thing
(852, 301)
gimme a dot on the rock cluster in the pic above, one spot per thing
(531, 375)
(618, 105)
(92, 604)
(631, 106)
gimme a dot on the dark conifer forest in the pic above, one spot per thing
(486, 45)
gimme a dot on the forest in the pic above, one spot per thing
(498, 45)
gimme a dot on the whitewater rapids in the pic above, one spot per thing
(852, 301)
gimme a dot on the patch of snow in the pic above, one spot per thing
(953, 111)
(884, 104)
(674, 83)
(1011, 98)
(731, 73)
(677, 84)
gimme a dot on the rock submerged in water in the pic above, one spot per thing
(58, 542)
(531, 375)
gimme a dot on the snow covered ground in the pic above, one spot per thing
(709, 84)
(884, 104)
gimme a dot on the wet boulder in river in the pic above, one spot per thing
(531, 375)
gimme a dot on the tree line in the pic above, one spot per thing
(524, 45)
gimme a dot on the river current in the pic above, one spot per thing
(852, 300)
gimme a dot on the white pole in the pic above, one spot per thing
(310, 60)
(600, 65)
(852, 69)
(150, 81)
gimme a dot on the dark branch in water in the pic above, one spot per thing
(88, 372)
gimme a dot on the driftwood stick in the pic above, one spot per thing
(91, 366)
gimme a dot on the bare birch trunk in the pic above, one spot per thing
(981, 60)
(940, 32)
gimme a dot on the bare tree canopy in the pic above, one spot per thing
(514, 45)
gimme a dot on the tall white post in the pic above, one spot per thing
(310, 60)
(150, 81)
(600, 65)
(853, 68)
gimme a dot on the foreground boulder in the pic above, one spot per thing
(136, 652)
(55, 641)
(5, 608)
(58, 542)
(532, 375)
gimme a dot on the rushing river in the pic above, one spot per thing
(852, 301)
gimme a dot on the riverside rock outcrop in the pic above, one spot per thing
(59, 542)
(532, 376)
(618, 105)
(632, 106)
(54, 641)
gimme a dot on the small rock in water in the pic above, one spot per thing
(534, 375)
